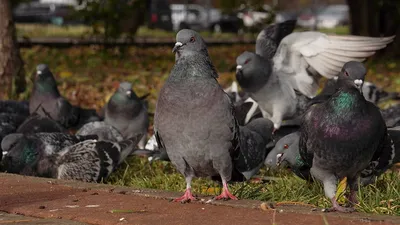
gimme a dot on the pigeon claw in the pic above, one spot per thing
(225, 195)
(338, 208)
(186, 198)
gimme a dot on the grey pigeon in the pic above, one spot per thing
(89, 161)
(14, 107)
(104, 131)
(370, 92)
(9, 124)
(296, 66)
(254, 138)
(392, 115)
(37, 123)
(26, 150)
(47, 101)
(194, 119)
(268, 39)
(377, 95)
(345, 135)
(286, 154)
(127, 113)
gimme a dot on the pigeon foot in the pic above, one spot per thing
(353, 198)
(225, 195)
(338, 208)
(186, 198)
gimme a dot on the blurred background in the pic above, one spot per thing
(95, 44)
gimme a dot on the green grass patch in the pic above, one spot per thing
(383, 197)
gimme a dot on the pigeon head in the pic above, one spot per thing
(283, 152)
(352, 75)
(252, 71)
(124, 93)
(44, 79)
(189, 42)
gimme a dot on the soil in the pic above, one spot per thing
(93, 203)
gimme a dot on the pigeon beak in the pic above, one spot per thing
(239, 68)
(128, 93)
(279, 159)
(177, 46)
(359, 83)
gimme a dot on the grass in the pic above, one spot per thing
(78, 31)
(88, 76)
(383, 197)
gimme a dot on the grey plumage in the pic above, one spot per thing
(194, 119)
(47, 101)
(254, 138)
(340, 137)
(14, 107)
(104, 131)
(9, 124)
(37, 123)
(127, 113)
(89, 160)
(296, 66)
(269, 38)
(286, 154)
(392, 115)
(25, 150)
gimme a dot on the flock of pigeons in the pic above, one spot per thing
(205, 131)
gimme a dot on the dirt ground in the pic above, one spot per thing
(93, 204)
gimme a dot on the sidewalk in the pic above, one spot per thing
(89, 203)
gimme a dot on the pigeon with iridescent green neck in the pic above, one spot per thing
(47, 101)
(345, 135)
(127, 113)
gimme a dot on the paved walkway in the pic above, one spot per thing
(62, 202)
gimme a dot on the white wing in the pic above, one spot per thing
(326, 54)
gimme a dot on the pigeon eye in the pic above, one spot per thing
(346, 73)
(286, 146)
(192, 39)
(247, 61)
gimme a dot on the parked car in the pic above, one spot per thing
(333, 16)
(36, 12)
(198, 17)
(160, 15)
(254, 17)
(308, 16)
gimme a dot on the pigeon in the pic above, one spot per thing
(301, 58)
(88, 161)
(9, 124)
(47, 101)
(194, 119)
(104, 131)
(85, 116)
(25, 150)
(370, 92)
(14, 107)
(254, 138)
(392, 115)
(268, 39)
(345, 135)
(127, 113)
(286, 154)
(37, 123)
(377, 95)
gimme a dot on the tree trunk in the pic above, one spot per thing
(374, 18)
(12, 74)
